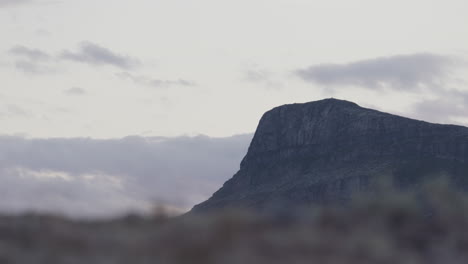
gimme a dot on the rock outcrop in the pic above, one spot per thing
(321, 152)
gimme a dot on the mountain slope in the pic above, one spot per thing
(321, 152)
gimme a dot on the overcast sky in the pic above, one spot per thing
(107, 69)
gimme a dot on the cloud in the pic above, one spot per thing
(75, 91)
(401, 72)
(30, 60)
(31, 54)
(87, 177)
(28, 67)
(94, 54)
(9, 3)
(11, 110)
(155, 83)
(32, 67)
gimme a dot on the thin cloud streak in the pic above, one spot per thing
(13, 111)
(28, 67)
(31, 54)
(152, 82)
(94, 54)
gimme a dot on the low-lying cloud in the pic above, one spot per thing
(401, 72)
(95, 54)
(87, 177)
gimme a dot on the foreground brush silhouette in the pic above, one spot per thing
(427, 228)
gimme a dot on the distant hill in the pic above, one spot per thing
(321, 152)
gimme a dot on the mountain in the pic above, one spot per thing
(321, 152)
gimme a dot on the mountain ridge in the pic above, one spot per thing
(320, 152)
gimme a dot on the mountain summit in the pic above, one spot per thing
(321, 152)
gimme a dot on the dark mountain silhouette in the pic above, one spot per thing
(321, 152)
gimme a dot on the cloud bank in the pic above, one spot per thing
(401, 72)
(86, 177)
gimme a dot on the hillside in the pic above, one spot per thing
(322, 152)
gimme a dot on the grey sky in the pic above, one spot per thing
(75, 91)
(8, 3)
(106, 69)
(189, 65)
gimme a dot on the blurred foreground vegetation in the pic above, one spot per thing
(381, 228)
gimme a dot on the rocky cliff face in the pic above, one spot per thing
(322, 152)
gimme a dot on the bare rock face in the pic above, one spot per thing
(321, 152)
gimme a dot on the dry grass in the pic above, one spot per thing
(384, 228)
